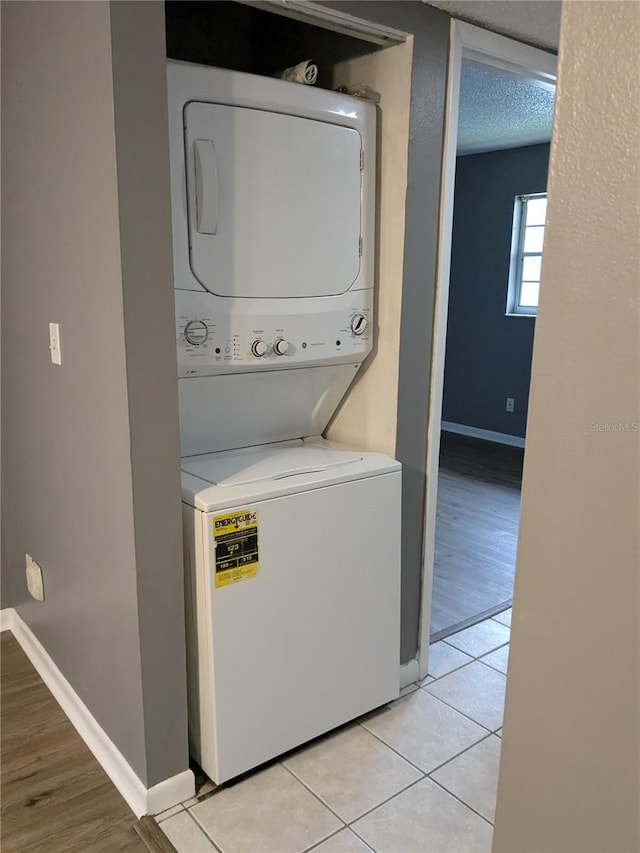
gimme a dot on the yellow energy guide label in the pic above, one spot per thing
(235, 536)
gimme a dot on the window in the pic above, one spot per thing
(526, 253)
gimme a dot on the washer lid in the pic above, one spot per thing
(266, 464)
(217, 481)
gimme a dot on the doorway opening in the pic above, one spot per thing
(504, 130)
(499, 127)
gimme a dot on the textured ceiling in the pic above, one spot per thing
(536, 22)
(498, 110)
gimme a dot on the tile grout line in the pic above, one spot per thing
(413, 784)
(455, 669)
(462, 713)
(324, 840)
(493, 618)
(203, 830)
(494, 667)
(475, 657)
(473, 660)
(349, 825)
(384, 803)
(317, 796)
(393, 749)
(160, 820)
(488, 665)
(357, 835)
(427, 775)
(488, 731)
(497, 649)
(456, 797)
(455, 633)
(457, 755)
(482, 726)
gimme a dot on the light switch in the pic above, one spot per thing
(35, 584)
(54, 343)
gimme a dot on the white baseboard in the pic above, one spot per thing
(170, 792)
(485, 434)
(140, 799)
(6, 618)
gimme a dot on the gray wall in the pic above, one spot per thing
(142, 154)
(488, 355)
(90, 483)
(570, 774)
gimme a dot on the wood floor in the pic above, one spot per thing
(55, 796)
(476, 531)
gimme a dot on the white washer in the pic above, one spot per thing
(310, 638)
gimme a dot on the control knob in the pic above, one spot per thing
(359, 324)
(281, 347)
(259, 348)
(196, 332)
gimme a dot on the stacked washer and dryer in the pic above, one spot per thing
(292, 542)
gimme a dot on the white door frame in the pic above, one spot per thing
(481, 46)
(332, 19)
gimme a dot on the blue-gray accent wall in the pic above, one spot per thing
(488, 354)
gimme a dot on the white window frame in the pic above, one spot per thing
(514, 308)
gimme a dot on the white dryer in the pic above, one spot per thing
(292, 544)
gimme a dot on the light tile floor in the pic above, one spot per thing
(417, 776)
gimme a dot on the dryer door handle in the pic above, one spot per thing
(204, 155)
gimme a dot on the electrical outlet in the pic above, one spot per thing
(510, 402)
(34, 579)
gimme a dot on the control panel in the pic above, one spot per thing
(212, 343)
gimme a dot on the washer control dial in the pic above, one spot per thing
(196, 332)
(359, 324)
(281, 346)
(259, 348)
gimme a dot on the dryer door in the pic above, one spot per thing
(274, 202)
